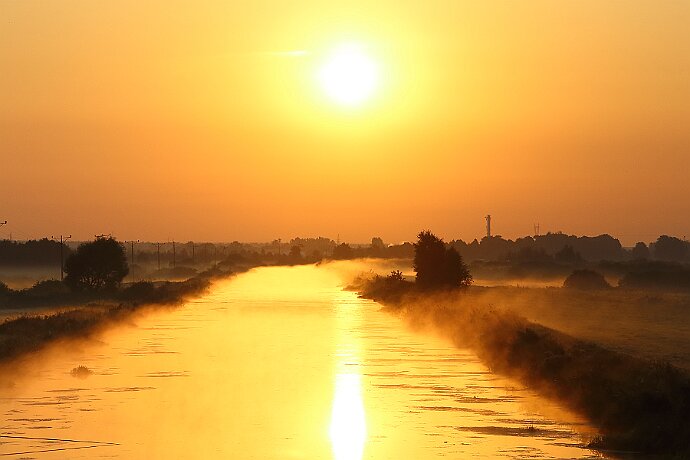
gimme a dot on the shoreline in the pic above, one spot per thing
(30, 333)
(639, 406)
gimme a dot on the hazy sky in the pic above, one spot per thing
(159, 120)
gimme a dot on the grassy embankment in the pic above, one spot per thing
(638, 405)
(653, 325)
(31, 333)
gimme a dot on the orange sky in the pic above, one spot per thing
(179, 120)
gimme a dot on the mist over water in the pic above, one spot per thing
(277, 363)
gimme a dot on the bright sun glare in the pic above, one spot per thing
(349, 76)
(348, 430)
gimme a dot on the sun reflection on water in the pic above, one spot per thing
(348, 428)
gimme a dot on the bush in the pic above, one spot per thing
(393, 286)
(586, 279)
(139, 291)
(47, 288)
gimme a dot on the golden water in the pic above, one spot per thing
(278, 363)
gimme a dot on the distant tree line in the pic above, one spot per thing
(571, 249)
(551, 249)
(32, 253)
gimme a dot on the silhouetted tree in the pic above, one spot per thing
(405, 250)
(343, 251)
(377, 243)
(98, 265)
(456, 272)
(31, 253)
(586, 279)
(640, 251)
(670, 248)
(295, 254)
(528, 254)
(437, 266)
(316, 256)
(568, 255)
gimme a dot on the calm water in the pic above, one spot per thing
(278, 363)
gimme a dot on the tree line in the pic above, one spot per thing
(560, 247)
(543, 249)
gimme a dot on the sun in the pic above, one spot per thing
(349, 76)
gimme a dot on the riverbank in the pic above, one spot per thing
(639, 405)
(27, 333)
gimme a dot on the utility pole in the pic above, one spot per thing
(132, 246)
(488, 225)
(173, 253)
(5, 223)
(158, 248)
(192, 252)
(62, 246)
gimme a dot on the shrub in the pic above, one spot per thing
(586, 279)
(139, 291)
(47, 288)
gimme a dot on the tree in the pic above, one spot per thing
(670, 248)
(437, 266)
(456, 272)
(295, 254)
(343, 251)
(568, 255)
(98, 265)
(640, 251)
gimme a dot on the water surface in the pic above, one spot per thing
(277, 363)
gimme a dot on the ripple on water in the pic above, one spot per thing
(238, 368)
(167, 374)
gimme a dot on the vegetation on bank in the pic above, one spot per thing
(30, 333)
(663, 264)
(94, 275)
(638, 405)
